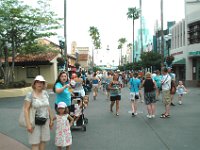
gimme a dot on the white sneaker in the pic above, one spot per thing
(153, 116)
(180, 102)
(149, 116)
(135, 113)
(75, 123)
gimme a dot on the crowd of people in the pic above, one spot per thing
(146, 88)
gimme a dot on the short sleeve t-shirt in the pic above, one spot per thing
(41, 104)
(173, 76)
(166, 82)
(157, 79)
(134, 85)
(64, 96)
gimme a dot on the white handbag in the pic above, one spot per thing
(22, 121)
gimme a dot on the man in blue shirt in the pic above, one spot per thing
(134, 83)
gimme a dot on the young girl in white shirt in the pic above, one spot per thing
(180, 90)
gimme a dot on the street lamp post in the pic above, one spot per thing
(162, 35)
(65, 35)
(168, 43)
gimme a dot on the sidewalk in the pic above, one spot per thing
(7, 143)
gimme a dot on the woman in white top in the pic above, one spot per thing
(39, 99)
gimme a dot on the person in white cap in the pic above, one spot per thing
(38, 99)
(64, 121)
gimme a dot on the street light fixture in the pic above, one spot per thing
(168, 43)
(107, 48)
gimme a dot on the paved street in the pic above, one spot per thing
(105, 131)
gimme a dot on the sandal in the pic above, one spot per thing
(168, 116)
(164, 116)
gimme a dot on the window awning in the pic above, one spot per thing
(179, 62)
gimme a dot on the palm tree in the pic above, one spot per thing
(133, 13)
(121, 42)
(94, 34)
(129, 47)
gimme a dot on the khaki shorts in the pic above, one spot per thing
(40, 133)
(95, 87)
(166, 97)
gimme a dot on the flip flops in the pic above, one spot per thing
(165, 116)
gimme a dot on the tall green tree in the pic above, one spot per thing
(95, 36)
(21, 25)
(151, 59)
(133, 13)
(121, 43)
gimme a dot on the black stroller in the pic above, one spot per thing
(77, 100)
(87, 87)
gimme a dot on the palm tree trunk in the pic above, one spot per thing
(133, 57)
(121, 57)
(141, 28)
(162, 35)
(92, 58)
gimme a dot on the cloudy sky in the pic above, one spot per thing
(109, 16)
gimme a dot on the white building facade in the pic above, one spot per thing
(185, 44)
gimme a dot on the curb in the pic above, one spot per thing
(7, 143)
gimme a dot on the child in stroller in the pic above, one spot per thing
(77, 111)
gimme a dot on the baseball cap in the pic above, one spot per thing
(62, 105)
(39, 78)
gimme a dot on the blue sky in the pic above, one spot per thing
(109, 16)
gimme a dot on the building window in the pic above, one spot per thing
(194, 32)
(32, 72)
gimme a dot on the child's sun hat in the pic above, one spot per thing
(62, 105)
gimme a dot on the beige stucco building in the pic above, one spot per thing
(186, 42)
(82, 54)
(46, 64)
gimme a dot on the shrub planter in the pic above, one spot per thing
(14, 92)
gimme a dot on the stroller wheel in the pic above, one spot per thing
(86, 120)
(84, 128)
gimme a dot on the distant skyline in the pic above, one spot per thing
(109, 16)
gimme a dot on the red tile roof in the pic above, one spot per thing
(36, 57)
(83, 57)
(42, 57)
(33, 57)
